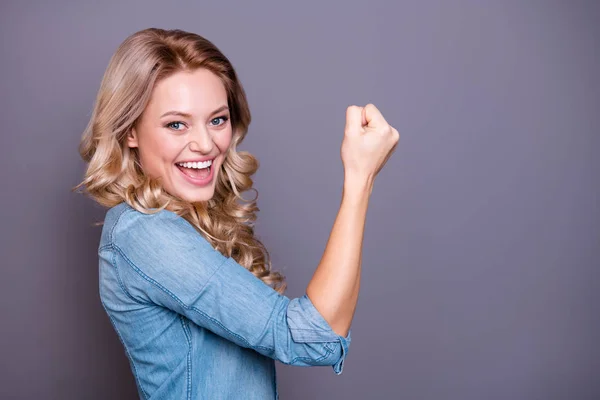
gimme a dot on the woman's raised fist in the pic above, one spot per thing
(368, 142)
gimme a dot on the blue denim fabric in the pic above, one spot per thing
(194, 323)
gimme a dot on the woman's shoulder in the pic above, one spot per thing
(153, 239)
(125, 213)
(124, 225)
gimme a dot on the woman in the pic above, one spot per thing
(186, 284)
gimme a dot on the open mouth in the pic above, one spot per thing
(197, 171)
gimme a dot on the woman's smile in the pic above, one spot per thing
(199, 173)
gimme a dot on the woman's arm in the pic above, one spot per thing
(368, 143)
(150, 260)
(334, 286)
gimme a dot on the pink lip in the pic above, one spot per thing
(197, 160)
(198, 182)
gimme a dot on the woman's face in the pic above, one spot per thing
(184, 133)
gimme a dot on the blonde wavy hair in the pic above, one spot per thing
(114, 174)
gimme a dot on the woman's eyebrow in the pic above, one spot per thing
(218, 110)
(188, 115)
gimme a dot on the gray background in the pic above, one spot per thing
(481, 252)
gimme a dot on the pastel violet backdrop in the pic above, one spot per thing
(481, 256)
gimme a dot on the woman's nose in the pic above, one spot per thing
(201, 140)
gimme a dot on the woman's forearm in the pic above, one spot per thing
(335, 284)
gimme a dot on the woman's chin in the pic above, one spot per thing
(195, 196)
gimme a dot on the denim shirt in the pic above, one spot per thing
(196, 324)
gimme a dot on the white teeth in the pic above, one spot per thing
(196, 164)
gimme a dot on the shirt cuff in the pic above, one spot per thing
(345, 345)
(308, 325)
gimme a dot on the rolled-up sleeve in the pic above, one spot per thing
(161, 259)
(307, 325)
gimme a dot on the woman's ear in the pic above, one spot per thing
(132, 138)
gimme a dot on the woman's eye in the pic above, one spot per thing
(215, 121)
(176, 125)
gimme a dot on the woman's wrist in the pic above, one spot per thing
(357, 186)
